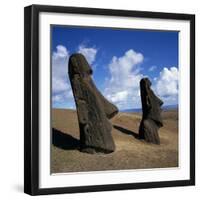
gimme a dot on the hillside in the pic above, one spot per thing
(130, 153)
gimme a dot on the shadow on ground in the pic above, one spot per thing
(126, 131)
(64, 140)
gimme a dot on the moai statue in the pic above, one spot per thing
(151, 119)
(92, 108)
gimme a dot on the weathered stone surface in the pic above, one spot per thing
(92, 108)
(151, 119)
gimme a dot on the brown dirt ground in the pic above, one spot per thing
(130, 153)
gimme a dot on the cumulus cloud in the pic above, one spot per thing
(122, 88)
(152, 68)
(60, 53)
(61, 87)
(166, 85)
(167, 82)
(119, 96)
(88, 52)
(59, 69)
(122, 85)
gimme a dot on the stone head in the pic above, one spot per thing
(79, 65)
(151, 104)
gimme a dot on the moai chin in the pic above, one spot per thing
(92, 108)
(151, 119)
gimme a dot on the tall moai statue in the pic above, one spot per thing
(92, 108)
(151, 119)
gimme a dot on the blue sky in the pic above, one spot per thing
(119, 58)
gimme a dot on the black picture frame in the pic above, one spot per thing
(31, 98)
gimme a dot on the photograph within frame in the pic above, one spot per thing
(33, 174)
(122, 89)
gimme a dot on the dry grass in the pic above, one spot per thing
(130, 153)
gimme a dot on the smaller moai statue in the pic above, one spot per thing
(94, 111)
(151, 118)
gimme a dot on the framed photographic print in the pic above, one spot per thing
(109, 100)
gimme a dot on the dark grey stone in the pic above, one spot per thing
(92, 108)
(151, 118)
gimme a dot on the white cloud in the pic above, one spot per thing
(166, 85)
(118, 97)
(152, 68)
(64, 97)
(60, 53)
(167, 82)
(88, 52)
(123, 86)
(61, 87)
